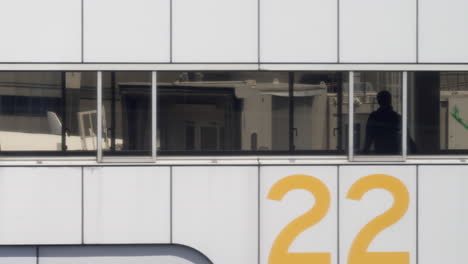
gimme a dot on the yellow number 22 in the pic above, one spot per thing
(358, 253)
(279, 252)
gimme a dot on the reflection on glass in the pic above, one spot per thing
(222, 111)
(126, 111)
(319, 111)
(438, 112)
(249, 112)
(47, 111)
(377, 113)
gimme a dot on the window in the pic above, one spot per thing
(234, 113)
(377, 128)
(250, 112)
(218, 111)
(47, 112)
(126, 113)
(320, 112)
(438, 113)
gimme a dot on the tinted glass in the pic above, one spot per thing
(47, 111)
(319, 111)
(222, 111)
(377, 113)
(438, 112)
(126, 113)
(266, 112)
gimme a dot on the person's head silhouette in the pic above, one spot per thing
(384, 98)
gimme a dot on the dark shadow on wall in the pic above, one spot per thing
(105, 254)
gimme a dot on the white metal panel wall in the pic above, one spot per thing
(278, 216)
(133, 254)
(443, 206)
(443, 34)
(18, 255)
(127, 205)
(378, 31)
(40, 31)
(215, 31)
(40, 205)
(126, 31)
(215, 210)
(298, 31)
(376, 216)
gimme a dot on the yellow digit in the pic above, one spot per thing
(358, 253)
(279, 253)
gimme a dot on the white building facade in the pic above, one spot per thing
(233, 131)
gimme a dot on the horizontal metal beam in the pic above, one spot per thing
(230, 67)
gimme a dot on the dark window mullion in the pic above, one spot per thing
(113, 108)
(339, 92)
(64, 112)
(291, 112)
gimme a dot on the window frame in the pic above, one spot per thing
(352, 157)
(51, 154)
(290, 151)
(124, 157)
(97, 68)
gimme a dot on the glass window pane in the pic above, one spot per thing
(319, 111)
(126, 119)
(438, 113)
(47, 111)
(245, 112)
(223, 111)
(377, 113)
(80, 111)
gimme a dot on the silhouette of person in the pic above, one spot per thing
(383, 128)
